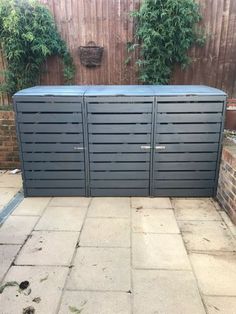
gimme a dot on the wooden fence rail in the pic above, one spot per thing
(108, 24)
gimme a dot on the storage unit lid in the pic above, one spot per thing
(53, 90)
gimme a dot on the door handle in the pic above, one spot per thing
(160, 147)
(146, 147)
(78, 148)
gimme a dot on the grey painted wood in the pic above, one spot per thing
(190, 107)
(47, 165)
(53, 156)
(119, 192)
(189, 117)
(189, 128)
(120, 157)
(120, 107)
(175, 175)
(119, 166)
(185, 138)
(125, 175)
(54, 183)
(186, 156)
(50, 117)
(51, 128)
(193, 147)
(116, 148)
(184, 192)
(184, 184)
(49, 107)
(120, 138)
(49, 147)
(119, 128)
(120, 184)
(55, 192)
(58, 138)
(57, 175)
(119, 118)
(204, 165)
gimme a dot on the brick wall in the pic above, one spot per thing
(9, 158)
(226, 193)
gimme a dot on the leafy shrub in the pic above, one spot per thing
(28, 36)
(166, 29)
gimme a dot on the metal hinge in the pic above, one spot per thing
(160, 147)
(78, 148)
(146, 147)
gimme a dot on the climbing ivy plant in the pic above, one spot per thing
(28, 36)
(165, 30)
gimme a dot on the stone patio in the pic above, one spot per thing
(117, 255)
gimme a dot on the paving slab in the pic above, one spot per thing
(159, 251)
(228, 222)
(16, 229)
(70, 201)
(207, 236)
(193, 203)
(216, 273)
(45, 285)
(150, 202)
(166, 292)
(32, 206)
(195, 210)
(62, 218)
(95, 302)
(6, 194)
(118, 207)
(109, 232)
(101, 269)
(48, 248)
(220, 305)
(153, 220)
(8, 180)
(7, 255)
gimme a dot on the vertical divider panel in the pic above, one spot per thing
(86, 146)
(153, 141)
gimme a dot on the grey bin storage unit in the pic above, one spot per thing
(50, 131)
(119, 136)
(120, 140)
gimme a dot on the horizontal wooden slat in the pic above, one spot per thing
(184, 184)
(59, 138)
(55, 192)
(190, 107)
(48, 98)
(53, 156)
(119, 184)
(53, 165)
(119, 128)
(191, 128)
(119, 99)
(49, 147)
(119, 157)
(119, 118)
(50, 117)
(184, 192)
(176, 175)
(116, 148)
(54, 183)
(49, 107)
(203, 147)
(185, 165)
(188, 117)
(113, 175)
(184, 138)
(55, 175)
(120, 107)
(128, 138)
(186, 156)
(119, 166)
(51, 128)
(119, 192)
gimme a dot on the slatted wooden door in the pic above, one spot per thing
(187, 144)
(52, 145)
(119, 138)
